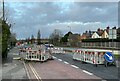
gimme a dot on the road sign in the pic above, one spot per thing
(109, 57)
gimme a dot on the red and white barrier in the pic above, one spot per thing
(35, 54)
(57, 50)
(90, 56)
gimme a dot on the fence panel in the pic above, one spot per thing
(101, 44)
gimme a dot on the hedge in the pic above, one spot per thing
(101, 40)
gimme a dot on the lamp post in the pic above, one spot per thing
(69, 27)
(3, 11)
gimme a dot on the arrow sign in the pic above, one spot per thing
(109, 57)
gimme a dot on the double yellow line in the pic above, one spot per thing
(35, 72)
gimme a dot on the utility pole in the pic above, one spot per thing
(112, 41)
(3, 11)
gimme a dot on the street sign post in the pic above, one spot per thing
(109, 57)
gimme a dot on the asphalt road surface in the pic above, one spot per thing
(56, 69)
(110, 72)
(62, 67)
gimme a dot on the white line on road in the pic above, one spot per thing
(35, 72)
(66, 62)
(26, 70)
(15, 53)
(60, 59)
(87, 72)
(74, 66)
(54, 57)
(104, 80)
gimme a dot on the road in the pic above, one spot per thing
(55, 69)
(62, 67)
(110, 72)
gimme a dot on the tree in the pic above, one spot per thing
(38, 37)
(65, 38)
(55, 37)
(12, 39)
(32, 39)
(5, 37)
(5, 34)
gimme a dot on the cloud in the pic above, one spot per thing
(47, 16)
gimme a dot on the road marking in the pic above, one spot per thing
(54, 57)
(26, 70)
(40, 79)
(87, 72)
(15, 53)
(35, 73)
(66, 62)
(60, 59)
(104, 80)
(74, 66)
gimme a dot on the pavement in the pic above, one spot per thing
(13, 69)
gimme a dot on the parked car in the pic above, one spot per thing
(48, 46)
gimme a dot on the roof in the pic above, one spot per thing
(74, 36)
(100, 32)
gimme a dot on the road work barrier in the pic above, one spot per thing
(40, 54)
(57, 50)
(91, 56)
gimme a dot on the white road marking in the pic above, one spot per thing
(104, 80)
(26, 70)
(54, 57)
(35, 73)
(87, 72)
(66, 62)
(60, 59)
(15, 53)
(74, 66)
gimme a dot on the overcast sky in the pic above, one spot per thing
(47, 16)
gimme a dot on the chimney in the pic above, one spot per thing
(98, 29)
(89, 31)
(114, 27)
(108, 28)
(86, 32)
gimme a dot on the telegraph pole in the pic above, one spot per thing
(3, 11)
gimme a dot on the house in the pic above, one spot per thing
(34, 41)
(118, 32)
(83, 36)
(95, 35)
(105, 34)
(87, 35)
(74, 39)
(98, 33)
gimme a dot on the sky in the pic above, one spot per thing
(29, 17)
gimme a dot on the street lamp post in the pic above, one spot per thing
(3, 11)
(69, 27)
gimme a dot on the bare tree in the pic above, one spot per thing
(56, 36)
(38, 37)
